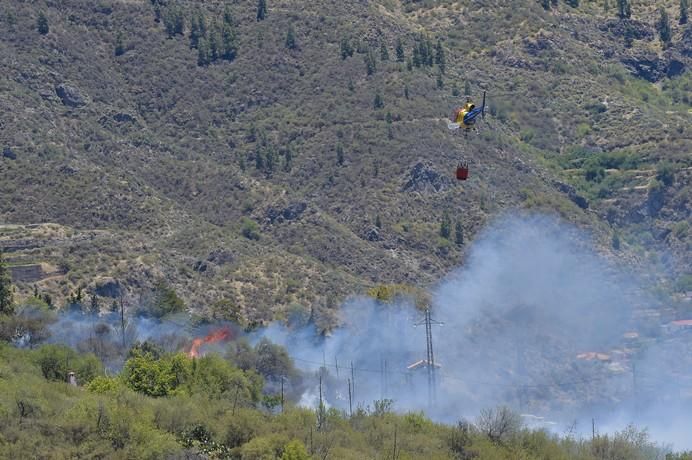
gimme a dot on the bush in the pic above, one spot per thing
(57, 361)
(500, 424)
(250, 229)
(166, 300)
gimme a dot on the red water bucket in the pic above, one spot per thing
(462, 172)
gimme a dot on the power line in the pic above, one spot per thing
(471, 382)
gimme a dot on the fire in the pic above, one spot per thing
(218, 335)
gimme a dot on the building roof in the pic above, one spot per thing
(594, 355)
(420, 364)
(682, 322)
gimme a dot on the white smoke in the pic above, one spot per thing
(532, 295)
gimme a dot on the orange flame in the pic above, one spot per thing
(219, 335)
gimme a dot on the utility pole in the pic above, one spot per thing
(386, 379)
(282, 394)
(593, 430)
(320, 411)
(353, 382)
(394, 454)
(430, 364)
(634, 387)
(122, 319)
(350, 403)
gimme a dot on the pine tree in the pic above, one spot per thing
(378, 221)
(430, 56)
(215, 47)
(440, 56)
(606, 6)
(400, 53)
(445, 226)
(663, 26)
(174, 20)
(228, 16)
(261, 10)
(179, 20)
(259, 159)
(346, 48)
(198, 28)
(683, 12)
(94, 306)
(624, 9)
(203, 52)
(119, 47)
(288, 160)
(416, 60)
(378, 102)
(370, 63)
(339, 154)
(440, 82)
(6, 295)
(42, 24)
(291, 38)
(467, 88)
(229, 42)
(406, 91)
(629, 36)
(545, 4)
(384, 52)
(458, 234)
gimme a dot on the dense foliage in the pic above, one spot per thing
(171, 404)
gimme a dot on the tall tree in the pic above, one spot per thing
(339, 154)
(458, 234)
(6, 296)
(198, 28)
(384, 52)
(229, 41)
(227, 15)
(370, 63)
(445, 226)
(624, 9)
(119, 46)
(94, 306)
(346, 48)
(683, 12)
(440, 56)
(42, 24)
(203, 52)
(261, 10)
(400, 54)
(215, 47)
(663, 26)
(378, 103)
(291, 38)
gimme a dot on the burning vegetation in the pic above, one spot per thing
(216, 336)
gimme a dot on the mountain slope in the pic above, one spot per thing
(176, 161)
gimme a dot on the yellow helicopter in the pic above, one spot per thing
(465, 116)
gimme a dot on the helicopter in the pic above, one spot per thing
(464, 118)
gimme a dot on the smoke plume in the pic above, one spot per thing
(534, 319)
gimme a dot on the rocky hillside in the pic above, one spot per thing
(287, 162)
